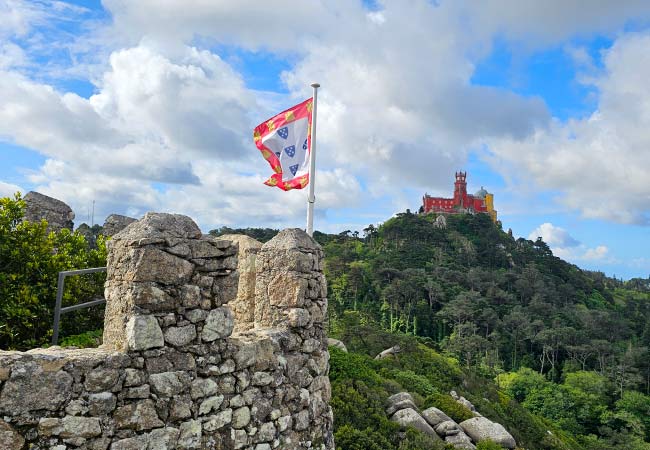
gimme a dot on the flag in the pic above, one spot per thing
(285, 142)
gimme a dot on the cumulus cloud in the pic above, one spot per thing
(534, 24)
(598, 163)
(150, 120)
(553, 236)
(169, 124)
(566, 246)
(9, 189)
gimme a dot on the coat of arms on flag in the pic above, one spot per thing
(285, 142)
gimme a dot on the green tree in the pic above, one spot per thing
(30, 259)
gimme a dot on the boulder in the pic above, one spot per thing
(434, 416)
(116, 223)
(480, 429)
(400, 401)
(447, 428)
(460, 441)
(57, 214)
(389, 352)
(410, 418)
(336, 343)
(466, 403)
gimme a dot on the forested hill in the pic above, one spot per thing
(503, 307)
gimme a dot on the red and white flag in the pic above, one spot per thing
(285, 142)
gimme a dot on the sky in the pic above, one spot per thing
(150, 106)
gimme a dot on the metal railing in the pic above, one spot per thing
(59, 298)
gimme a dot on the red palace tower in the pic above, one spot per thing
(462, 203)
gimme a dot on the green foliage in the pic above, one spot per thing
(520, 384)
(488, 445)
(89, 339)
(414, 440)
(30, 259)
(349, 438)
(351, 366)
(469, 302)
(416, 383)
(450, 406)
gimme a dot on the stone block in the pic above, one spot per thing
(180, 336)
(143, 333)
(10, 439)
(31, 388)
(218, 325)
(137, 416)
(190, 435)
(217, 421)
(169, 384)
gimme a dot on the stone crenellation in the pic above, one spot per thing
(176, 369)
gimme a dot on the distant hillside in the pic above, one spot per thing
(504, 307)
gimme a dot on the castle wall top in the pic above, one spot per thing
(172, 373)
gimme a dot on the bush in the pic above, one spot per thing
(31, 260)
(351, 366)
(488, 445)
(412, 381)
(449, 406)
(89, 339)
(348, 438)
(415, 440)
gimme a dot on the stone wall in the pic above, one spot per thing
(171, 373)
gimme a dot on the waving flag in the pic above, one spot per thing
(285, 142)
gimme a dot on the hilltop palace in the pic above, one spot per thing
(462, 203)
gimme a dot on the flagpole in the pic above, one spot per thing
(311, 199)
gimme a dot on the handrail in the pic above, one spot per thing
(58, 310)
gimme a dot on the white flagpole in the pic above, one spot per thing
(312, 165)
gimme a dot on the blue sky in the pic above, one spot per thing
(148, 106)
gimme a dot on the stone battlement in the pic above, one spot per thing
(209, 343)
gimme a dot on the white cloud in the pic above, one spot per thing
(536, 23)
(566, 246)
(597, 253)
(169, 125)
(9, 189)
(553, 236)
(599, 163)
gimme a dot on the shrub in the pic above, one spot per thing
(349, 438)
(31, 259)
(351, 366)
(411, 381)
(89, 339)
(488, 445)
(449, 406)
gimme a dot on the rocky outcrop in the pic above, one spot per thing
(171, 372)
(434, 416)
(460, 440)
(338, 344)
(432, 421)
(411, 418)
(447, 429)
(116, 223)
(399, 401)
(466, 403)
(389, 352)
(481, 429)
(402, 410)
(57, 214)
